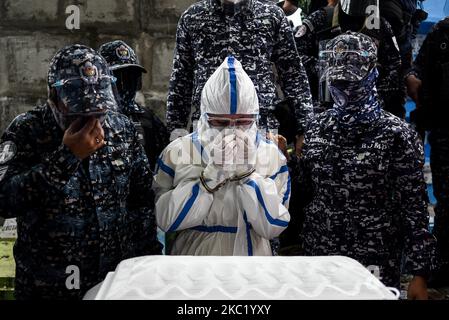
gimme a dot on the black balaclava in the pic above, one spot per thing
(129, 81)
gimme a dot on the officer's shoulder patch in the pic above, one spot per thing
(301, 31)
(8, 150)
(3, 170)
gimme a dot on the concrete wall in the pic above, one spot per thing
(31, 31)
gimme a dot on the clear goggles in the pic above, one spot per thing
(220, 121)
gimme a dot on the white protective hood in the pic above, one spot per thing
(228, 91)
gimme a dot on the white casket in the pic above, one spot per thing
(240, 278)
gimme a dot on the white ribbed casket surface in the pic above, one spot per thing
(240, 278)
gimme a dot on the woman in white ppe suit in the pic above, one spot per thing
(224, 187)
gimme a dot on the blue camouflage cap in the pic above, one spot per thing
(348, 57)
(83, 83)
(119, 55)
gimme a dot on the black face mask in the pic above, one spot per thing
(129, 81)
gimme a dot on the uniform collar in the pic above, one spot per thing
(216, 7)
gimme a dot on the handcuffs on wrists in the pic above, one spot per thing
(221, 184)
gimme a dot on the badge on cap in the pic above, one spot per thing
(340, 48)
(89, 72)
(8, 151)
(122, 52)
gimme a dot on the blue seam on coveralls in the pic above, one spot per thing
(233, 84)
(248, 234)
(270, 219)
(186, 209)
(161, 165)
(283, 169)
(287, 192)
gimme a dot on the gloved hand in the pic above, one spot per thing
(221, 164)
(245, 153)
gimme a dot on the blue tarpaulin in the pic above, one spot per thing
(435, 9)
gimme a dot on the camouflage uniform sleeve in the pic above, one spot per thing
(293, 77)
(179, 98)
(305, 36)
(390, 85)
(410, 195)
(307, 45)
(22, 180)
(422, 59)
(303, 172)
(140, 203)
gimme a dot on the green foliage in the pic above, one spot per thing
(7, 269)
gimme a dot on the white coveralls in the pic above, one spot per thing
(241, 217)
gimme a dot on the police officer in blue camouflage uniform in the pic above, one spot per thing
(327, 23)
(255, 32)
(76, 177)
(124, 65)
(428, 84)
(364, 168)
(405, 17)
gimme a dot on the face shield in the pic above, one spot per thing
(80, 85)
(221, 127)
(349, 58)
(229, 104)
(84, 97)
(323, 89)
(357, 8)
